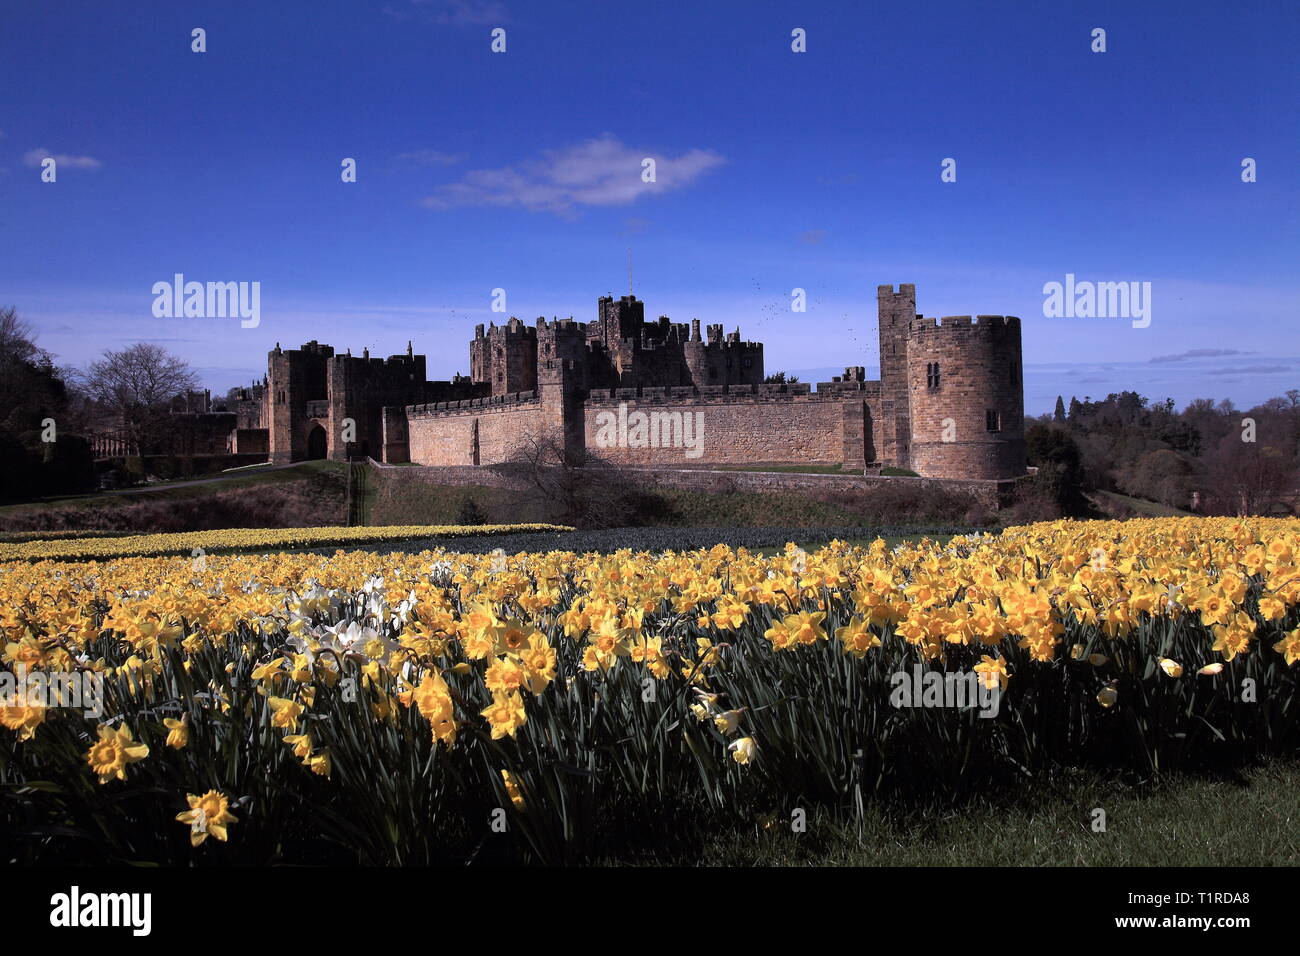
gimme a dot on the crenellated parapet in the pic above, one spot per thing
(731, 394)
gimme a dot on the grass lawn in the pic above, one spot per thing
(181, 488)
(392, 498)
(1251, 820)
(1144, 508)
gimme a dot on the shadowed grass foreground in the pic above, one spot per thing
(1249, 820)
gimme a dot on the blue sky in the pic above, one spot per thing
(776, 170)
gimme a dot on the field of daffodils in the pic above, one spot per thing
(434, 707)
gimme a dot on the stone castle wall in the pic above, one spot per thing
(739, 424)
(481, 431)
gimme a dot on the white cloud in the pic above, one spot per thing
(598, 172)
(33, 157)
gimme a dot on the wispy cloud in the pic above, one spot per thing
(33, 157)
(598, 172)
(1198, 354)
(451, 12)
(430, 157)
(813, 237)
(1250, 370)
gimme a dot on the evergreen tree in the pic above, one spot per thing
(1059, 414)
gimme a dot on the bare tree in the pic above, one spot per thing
(577, 487)
(1249, 478)
(31, 387)
(17, 341)
(20, 358)
(135, 386)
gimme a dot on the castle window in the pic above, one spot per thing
(992, 420)
(1013, 374)
(931, 374)
(749, 363)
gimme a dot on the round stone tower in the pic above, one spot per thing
(966, 397)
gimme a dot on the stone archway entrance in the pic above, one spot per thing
(316, 444)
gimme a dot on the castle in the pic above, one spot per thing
(949, 402)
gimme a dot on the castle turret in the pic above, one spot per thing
(296, 378)
(505, 357)
(966, 397)
(618, 319)
(895, 310)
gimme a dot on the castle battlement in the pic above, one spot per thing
(560, 324)
(723, 394)
(480, 404)
(993, 322)
(513, 327)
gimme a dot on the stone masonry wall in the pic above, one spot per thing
(738, 428)
(477, 432)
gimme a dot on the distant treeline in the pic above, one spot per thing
(1211, 457)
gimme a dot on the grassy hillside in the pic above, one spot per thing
(1125, 506)
(314, 494)
(307, 494)
(395, 496)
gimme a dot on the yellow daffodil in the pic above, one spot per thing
(207, 816)
(178, 735)
(113, 751)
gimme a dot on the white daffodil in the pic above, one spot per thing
(728, 722)
(710, 701)
(742, 750)
(406, 609)
(303, 646)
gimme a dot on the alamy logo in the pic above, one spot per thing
(1099, 300)
(83, 690)
(208, 300)
(931, 688)
(656, 429)
(74, 908)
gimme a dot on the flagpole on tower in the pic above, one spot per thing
(629, 270)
